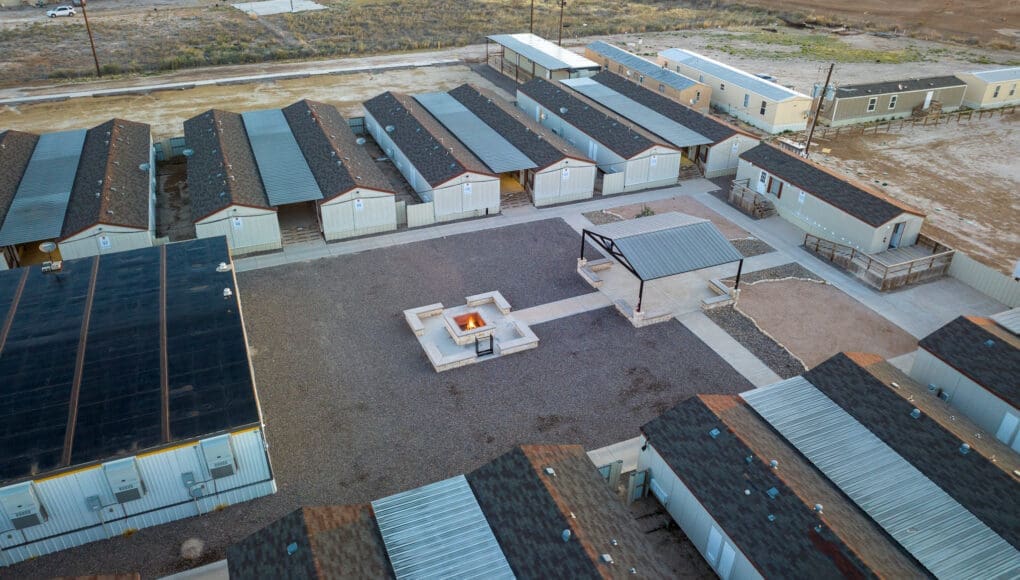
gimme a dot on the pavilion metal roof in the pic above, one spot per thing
(488, 145)
(734, 76)
(439, 531)
(942, 535)
(40, 202)
(284, 170)
(648, 118)
(544, 53)
(668, 244)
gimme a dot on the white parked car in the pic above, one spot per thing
(60, 11)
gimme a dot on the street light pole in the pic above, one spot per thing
(563, 4)
(91, 41)
(531, 25)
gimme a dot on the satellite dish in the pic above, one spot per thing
(47, 247)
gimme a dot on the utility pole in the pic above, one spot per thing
(563, 4)
(91, 41)
(818, 110)
(531, 25)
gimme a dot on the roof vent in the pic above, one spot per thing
(144, 167)
(714, 433)
(291, 548)
(614, 542)
(227, 292)
(749, 459)
(633, 570)
(360, 141)
(389, 128)
(747, 492)
(563, 110)
(607, 558)
(550, 472)
(916, 413)
(989, 343)
(774, 464)
(223, 267)
(566, 535)
(818, 507)
(773, 492)
(965, 449)
(772, 517)
(818, 528)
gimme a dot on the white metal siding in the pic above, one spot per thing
(344, 217)
(723, 157)
(90, 242)
(995, 284)
(259, 229)
(452, 200)
(551, 187)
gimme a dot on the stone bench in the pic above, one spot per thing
(716, 285)
(444, 363)
(716, 301)
(600, 264)
(526, 339)
(414, 316)
(494, 298)
(643, 318)
(593, 279)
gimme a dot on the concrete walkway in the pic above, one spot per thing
(741, 359)
(562, 308)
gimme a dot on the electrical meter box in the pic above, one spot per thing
(124, 479)
(219, 456)
(22, 506)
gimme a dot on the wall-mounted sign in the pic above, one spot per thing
(237, 223)
(105, 243)
(467, 188)
(566, 173)
(359, 205)
(653, 161)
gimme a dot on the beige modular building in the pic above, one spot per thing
(766, 105)
(451, 182)
(992, 88)
(827, 205)
(523, 57)
(849, 104)
(710, 145)
(628, 157)
(650, 75)
(86, 192)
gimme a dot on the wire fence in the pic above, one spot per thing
(940, 118)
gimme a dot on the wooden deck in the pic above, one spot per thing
(926, 260)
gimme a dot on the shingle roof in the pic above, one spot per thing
(528, 509)
(964, 345)
(328, 542)
(901, 86)
(718, 473)
(15, 151)
(329, 145)
(703, 124)
(222, 170)
(868, 206)
(618, 135)
(975, 482)
(111, 187)
(433, 151)
(541, 145)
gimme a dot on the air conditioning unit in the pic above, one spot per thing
(22, 506)
(219, 456)
(125, 480)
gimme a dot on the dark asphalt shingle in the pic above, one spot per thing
(963, 344)
(972, 480)
(222, 170)
(620, 136)
(717, 472)
(900, 86)
(541, 145)
(111, 187)
(16, 149)
(329, 146)
(867, 206)
(699, 123)
(435, 152)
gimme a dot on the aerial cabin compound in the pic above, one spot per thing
(760, 103)
(523, 57)
(710, 147)
(76, 193)
(650, 75)
(849, 104)
(128, 397)
(989, 89)
(451, 182)
(629, 158)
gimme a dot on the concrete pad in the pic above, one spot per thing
(270, 7)
(625, 451)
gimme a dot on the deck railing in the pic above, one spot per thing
(878, 274)
(750, 201)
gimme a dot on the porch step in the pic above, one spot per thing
(300, 235)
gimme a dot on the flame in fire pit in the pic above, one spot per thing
(469, 321)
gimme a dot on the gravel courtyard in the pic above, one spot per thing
(354, 411)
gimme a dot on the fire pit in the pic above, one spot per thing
(466, 326)
(469, 321)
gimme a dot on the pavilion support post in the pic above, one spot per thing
(740, 267)
(583, 234)
(640, 296)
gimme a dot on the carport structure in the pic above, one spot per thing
(663, 245)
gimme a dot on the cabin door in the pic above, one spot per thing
(897, 235)
(927, 100)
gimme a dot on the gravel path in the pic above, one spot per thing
(791, 270)
(744, 331)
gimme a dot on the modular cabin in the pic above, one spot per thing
(76, 193)
(628, 157)
(973, 363)
(650, 75)
(523, 57)
(443, 172)
(129, 399)
(861, 103)
(760, 103)
(827, 205)
(710, 145)
(989, 89)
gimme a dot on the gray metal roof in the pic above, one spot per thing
(668, 244)
(439, 531)
(40, 203)
(940, 533)
(648, 118)
(544, 53)
(495, 151)
(642, 66)
(732, 75)
(1010, 320)
(284, 170)
(999, 75)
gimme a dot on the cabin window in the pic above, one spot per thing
(697, 96)
(722, 86)
(872, 103)
(641, 79)
(764, 105)
(892, 101)
(662, 88)
(701, 78)
(747, 100)
(995, 94)
(1012, 89)
(776, 187)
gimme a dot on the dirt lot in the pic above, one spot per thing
(965, 176)
(815, 321)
